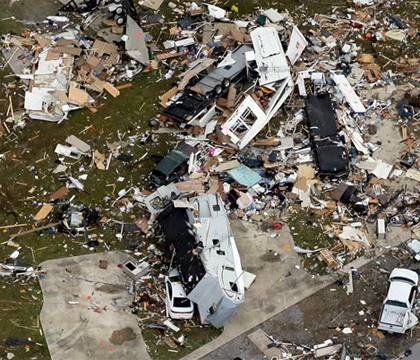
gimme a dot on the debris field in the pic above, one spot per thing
(150, 127)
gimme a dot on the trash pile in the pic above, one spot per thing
(64, 68)
(316, 154)
(284, 349)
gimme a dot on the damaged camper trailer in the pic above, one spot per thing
(206, 256)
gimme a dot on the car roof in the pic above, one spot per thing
(177, 288)
(170, 162)
(407, 274)
(399, 290)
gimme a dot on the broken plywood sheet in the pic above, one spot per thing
(63, 191)
(41, 40)
(43, 212)
(152, 4)
(166, 96)
(111, 89)
(102, 48)
(196, 67)
(99, 160)
(305, 171)
(231, 97)
(190, 186)
(267, 142)
(228, 165)
(413, 174)
(78, 96)
(67, 50)
(167, 55)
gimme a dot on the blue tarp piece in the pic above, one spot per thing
(244, 175)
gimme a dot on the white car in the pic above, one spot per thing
(396, 314)
(177, 305)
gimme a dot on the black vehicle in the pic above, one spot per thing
(329, 150)
(189, 105)
(173, 166)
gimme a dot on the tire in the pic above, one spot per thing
(119, 10)
(225, 83)
(218, 90)
(120, 20)
(194, 80)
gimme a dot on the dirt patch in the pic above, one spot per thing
(119, 337)
(271, 256)
(109, 289)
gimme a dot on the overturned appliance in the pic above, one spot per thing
(330, 152)
(206, 256)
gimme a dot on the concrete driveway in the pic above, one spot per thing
(280, 282)
(85, 314)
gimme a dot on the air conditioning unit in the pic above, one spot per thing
(136, 271)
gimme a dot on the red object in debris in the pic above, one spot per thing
(277, 226)
(356, 25)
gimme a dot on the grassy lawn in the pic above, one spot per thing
(308, 233)
(195, 337)
(27, 178)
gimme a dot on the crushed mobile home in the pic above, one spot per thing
(205, 254)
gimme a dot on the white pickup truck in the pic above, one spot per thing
(396, 314)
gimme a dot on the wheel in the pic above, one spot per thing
(120, 20)
(225, 83)
(218, 90)
(119, 10)
(194, 80)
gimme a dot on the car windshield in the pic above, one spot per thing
(181, 302)
(396, 303)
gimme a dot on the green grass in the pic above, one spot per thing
(20, 302)
(308, 234)
(128, 114)
(197, 337)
